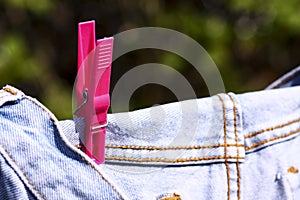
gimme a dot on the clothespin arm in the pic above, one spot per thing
(94, 68)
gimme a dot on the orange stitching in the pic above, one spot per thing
(179, 160)
(171, 147)
(272, 128)
(52, 117)
(7, 89)
(293, 170)
(29, 182)
(237, 149)
(225, 147)
(272, 139)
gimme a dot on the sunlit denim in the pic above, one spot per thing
(228, 146)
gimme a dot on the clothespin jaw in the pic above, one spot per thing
(92, 88)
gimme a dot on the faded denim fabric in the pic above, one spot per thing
(37, 161)
(227, 146)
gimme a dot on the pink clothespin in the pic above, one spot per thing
(92, 88)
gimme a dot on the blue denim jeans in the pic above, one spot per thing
(228, 146)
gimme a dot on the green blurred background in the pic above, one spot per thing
(251, 42)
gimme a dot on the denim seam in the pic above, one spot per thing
(31, 186)
(163, 148)
(272, 139)
(53, 118)
(179, 160)
(272, 128)
(225, 147)
(237, 149)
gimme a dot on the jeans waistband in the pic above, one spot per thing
(222, 128)
(194, 131)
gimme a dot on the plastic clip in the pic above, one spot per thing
(92, 88)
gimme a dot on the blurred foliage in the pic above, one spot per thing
(251, 42)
